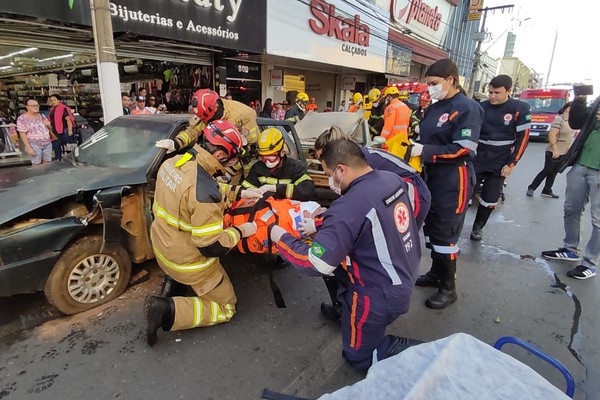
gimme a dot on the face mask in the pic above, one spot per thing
(437, 92)
(337, 190)
(270, 161)
(376, 104)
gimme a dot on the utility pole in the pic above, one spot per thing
(106, 60)
(480, 39)
(551, 60)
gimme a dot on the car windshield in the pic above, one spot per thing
(544, 106)
(123, 143)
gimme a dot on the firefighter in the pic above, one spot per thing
(376, 116)
(449, 136)
(298, 110)
(417, 115)
(380, 160)
(207, 106)
(277, 173)
(502, 142)
(403, 96)
(396, 116)
(356, 104)
(369, 242)
(188, 236)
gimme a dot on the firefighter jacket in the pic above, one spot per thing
(290, 179)
(376, 119)
(416, 116)
(450, 130)
(187, 233)
(396, 119)
(266, 213)
(505, 132)
(240, 115)
(295, 113)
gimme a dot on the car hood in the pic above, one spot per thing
(24, 189)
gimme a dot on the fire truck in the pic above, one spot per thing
(544, 104)
(413, 88)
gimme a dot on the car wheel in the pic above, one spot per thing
(84, 278)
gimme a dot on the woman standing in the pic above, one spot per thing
(34, 129)
(559, 141)
(449, 136)
(267, 111)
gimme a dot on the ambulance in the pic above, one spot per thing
(544, 104)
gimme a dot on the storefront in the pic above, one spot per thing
(168, 47)
(244, 81)
(327, 49)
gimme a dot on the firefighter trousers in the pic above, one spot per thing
(215, 300)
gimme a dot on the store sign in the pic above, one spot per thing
(475, 7)
(336, 32)
(426, 19)
(243, 70)
(235, 24)
(276, 77)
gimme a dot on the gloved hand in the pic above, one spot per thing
(268, 188)
(251, 193)
(417, 149)
(276, 233)
(168, 144)
(247, 228)
(307, 227)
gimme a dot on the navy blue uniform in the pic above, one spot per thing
(418, 191)
(449, 134)
(502, 141)
(369, 241)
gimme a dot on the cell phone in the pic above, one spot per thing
(583, 90)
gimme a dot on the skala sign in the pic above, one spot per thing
(326, 22)
(416, 10)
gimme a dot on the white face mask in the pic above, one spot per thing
(375, 104)
(437, 92)
(271, 164)
(337, 190)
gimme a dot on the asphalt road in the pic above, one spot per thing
(504, 289)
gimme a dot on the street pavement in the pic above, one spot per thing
(505, 289)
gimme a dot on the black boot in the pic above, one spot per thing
(428, 279)
(483, 214)
(168, 287)
(446, 293)
(332, 312)
(160, 313)
(399, 344)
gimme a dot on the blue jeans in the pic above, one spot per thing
(583, 186)
(59, 145)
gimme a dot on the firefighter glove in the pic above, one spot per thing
(417, 149)
(248, 229)
(276, 233)
(268, 188)
(251, 193)
(166, 144)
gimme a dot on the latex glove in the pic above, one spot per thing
(307, 227)
(168, 144)
(417, 149)
(268, 188)
(251, 193)
(276, 233)
(248, 228)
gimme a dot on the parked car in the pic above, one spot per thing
(72, 228)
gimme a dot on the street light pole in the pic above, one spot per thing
(551, 60)
(106, 60)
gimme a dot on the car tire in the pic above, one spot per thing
(84, 278)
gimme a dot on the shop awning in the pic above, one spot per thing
(422, 52)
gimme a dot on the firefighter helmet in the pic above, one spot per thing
(204, 104)
(270, 142)
(403, 95)
(374, 95)
(223, 134)
(390, 90)
(357, 98)
(424, 99)
(303, 97)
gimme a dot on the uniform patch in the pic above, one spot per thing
(465, 133)
(507, 119)
(528, 117)
(317, 250)
(401, 217)
(443, 118)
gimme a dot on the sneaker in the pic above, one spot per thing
(551, 195)
(581, 272)
(561, 254)
(529, 192)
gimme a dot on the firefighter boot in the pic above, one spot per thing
(483, 213)
(446, 293)
(160, 313)
(169, 287)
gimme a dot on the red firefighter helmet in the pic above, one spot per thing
(223, 134)
(204, 104)
(424, 99)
